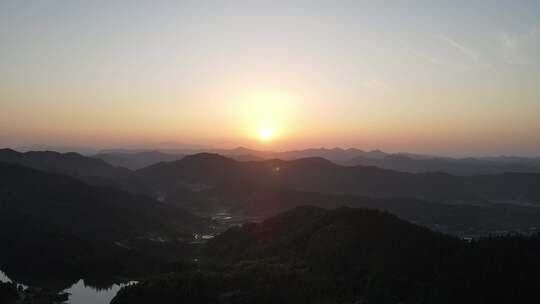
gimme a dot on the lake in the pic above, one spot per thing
(80, 293)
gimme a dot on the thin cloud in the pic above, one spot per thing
(437, 61)
(426, 57)
(377, 84)
(520, 49)
(458, 46)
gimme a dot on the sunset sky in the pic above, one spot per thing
(442, 77)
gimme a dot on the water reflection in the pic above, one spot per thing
(3, 277)
(83, 293)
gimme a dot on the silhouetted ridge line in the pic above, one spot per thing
(207, 157)
(69, 163)
(320, 175)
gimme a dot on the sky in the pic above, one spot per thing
(439, 77)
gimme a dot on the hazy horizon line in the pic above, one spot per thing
(91, 150)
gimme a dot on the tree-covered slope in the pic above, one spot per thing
(311, 255)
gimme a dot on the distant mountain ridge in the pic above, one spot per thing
(207, 183)
(462, 166)
(321, 175)
(337, 155)
(404, 162)
(137, 160)
(72, 164)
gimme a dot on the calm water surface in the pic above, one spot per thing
(3, 277)
(83, 294)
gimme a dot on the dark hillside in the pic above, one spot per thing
(311, 255)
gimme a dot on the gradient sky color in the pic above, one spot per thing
(444, 77)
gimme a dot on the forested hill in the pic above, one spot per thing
(51, 222)
(63, 203)
(311, 255)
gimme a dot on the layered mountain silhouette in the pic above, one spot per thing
(208, 183)
(336, 155)
(405, 162)
(308, 174)
(320, 175)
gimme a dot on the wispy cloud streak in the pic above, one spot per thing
(376, 83)
(437, 61)
(465, 50)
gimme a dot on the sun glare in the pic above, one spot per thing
(266, 134)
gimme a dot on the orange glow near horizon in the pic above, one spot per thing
(265, 115)
(327, 76)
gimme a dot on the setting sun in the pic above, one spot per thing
(266, 134)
